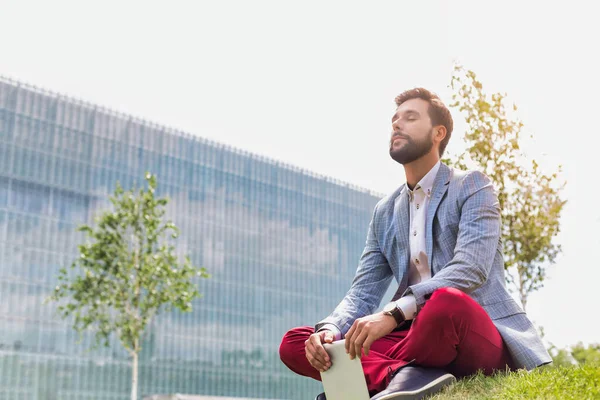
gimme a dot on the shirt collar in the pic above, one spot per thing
(426, 183)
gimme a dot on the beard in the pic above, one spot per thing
(412, 150)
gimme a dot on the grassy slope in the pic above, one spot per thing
(573, 382)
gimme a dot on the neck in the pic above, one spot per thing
(416, 170)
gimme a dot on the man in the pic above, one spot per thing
(438, 235)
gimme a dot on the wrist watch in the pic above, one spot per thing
(393, 310)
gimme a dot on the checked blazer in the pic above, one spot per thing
(464, 249)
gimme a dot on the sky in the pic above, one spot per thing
(312, 84)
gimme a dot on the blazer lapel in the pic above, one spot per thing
(440, 186)
(402, 222)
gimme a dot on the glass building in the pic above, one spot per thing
(281, 244)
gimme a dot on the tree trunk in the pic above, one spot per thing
(522, 291)
(134, 372)
(522, 294)
(134, 376)
(524, 301)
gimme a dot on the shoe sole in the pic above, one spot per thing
(431, 388)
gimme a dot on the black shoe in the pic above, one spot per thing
(415, 383)
(321, 397)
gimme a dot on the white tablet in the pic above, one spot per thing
(345, 379)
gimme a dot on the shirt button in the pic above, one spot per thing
(415, 233)
(417, 206)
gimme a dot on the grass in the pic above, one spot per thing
(571, 382)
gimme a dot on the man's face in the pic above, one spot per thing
(412, 131)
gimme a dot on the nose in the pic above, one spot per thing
(396, 125)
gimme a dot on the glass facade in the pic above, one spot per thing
(281, 244)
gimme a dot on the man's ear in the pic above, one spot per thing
(440, 133)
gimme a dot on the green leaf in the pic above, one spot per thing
(127, 270)
(530, 201)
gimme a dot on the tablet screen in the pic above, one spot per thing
(345, 379)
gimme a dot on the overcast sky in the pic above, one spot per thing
(312, 83)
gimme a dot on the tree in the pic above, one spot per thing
(529, 199)
(576, 354)
(589, 354)
(128, 272)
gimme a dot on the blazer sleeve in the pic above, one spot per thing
(476, 244)
(372, 279)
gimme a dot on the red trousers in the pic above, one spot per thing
(451, 331)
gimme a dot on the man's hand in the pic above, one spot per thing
(366, 330)
(315, 352)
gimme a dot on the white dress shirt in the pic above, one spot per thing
(418, 269)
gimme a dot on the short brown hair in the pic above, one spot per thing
(438, 112)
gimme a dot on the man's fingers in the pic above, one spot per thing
(349, 337)
(310, 356)
(351, 343)
(318, 353)
(358, 327)
(315, 363)
(322, 353)
(358, 342)
(310, 348)
(367, 345)
(313, 348)
(327, 338)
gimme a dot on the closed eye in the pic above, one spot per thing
(409, 115)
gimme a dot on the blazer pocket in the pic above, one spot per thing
(502, 309)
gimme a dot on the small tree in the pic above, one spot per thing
(576, 354)
(529, 199)
(589, 354)
(127, 273)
